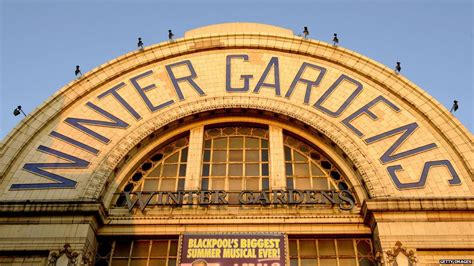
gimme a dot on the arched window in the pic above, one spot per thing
(235, 159)
(164, 170)
(307, 168)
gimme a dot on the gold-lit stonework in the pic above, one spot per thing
(287, 113)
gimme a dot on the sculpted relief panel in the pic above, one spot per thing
(409, 156)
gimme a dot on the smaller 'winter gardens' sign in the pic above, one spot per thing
(343, 199)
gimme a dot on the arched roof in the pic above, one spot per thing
(390, 128)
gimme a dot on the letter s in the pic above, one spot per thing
(424, 174)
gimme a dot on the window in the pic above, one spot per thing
(159, 252)
(306, 168)
(164, 170)
(235, 159)
(337, 252)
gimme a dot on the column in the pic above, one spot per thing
(277, 159)
(193, 170)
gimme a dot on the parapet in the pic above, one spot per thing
(238, 27)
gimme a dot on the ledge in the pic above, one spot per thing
(48, 208)
(422, 210)
(417, 204)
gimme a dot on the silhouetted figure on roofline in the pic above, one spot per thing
(455, 107)
(78, 72)
(335, 40)
(305, 32)
(398, 68)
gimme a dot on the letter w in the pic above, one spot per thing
(78, 123)
(142, 202)
(407, 130)
(38, 168)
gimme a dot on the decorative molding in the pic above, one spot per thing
(396, 250)
(67, 251)
(379, 258)
(74, 258)
(87, 259)
(238, 220)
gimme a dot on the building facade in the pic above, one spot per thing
(240, 143)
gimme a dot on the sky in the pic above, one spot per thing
(41, 42)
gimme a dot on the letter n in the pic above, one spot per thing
(38, 168)
(78, 123)
(407, 130)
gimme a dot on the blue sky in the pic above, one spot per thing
(42, 41)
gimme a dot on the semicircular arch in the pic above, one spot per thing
(18, 149)
(354, 166)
